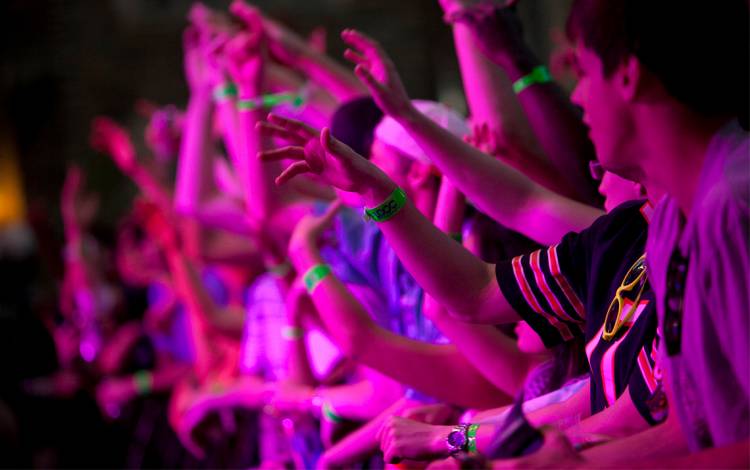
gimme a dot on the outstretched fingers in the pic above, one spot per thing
(272, 130)
(291, 152)
(292, 125)
(296, 168)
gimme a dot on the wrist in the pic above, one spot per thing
(518, 64)
(378, 190)
(438, 444)
(304, 255)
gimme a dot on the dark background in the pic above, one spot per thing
(65, 61)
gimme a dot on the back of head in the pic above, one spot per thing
(698, 50)
(354, 122)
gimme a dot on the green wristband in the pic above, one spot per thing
(471, 438)
(539, 74)
(388, 208)
(457, 236)
(144, 382)
(315, 275)
(292, 333)
(270, 101)
(330, 415)
(225, 91)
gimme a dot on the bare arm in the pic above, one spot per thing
(469, 289)
(497, 189)
(352, 328)
(554, 120)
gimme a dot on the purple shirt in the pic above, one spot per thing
(710, 375)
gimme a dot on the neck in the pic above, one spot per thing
(674, 142)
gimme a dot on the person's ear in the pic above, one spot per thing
(629, 77)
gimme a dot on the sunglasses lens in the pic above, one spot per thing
(612, 314)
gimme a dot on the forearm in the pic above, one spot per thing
(262, 196)
(362, 400)
(620, 420)
(498, 190)
(408, 361)
(469, 288)
(491, 101)
(361, 442)
(661, 441)
(194, 170)
(150, 186)
(489, 351)
(556, 124)
(450, 208)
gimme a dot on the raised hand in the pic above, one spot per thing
(496, 29)
(376, 70)
(321, 154)
(246, 52)
(109, 137)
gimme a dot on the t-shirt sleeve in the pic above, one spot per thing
(723, 263)
(545, 288)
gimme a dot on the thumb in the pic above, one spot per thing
(335, 147)
(330, 213)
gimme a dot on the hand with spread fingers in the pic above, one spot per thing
(321, 154)
(376, 70)
(246, 52)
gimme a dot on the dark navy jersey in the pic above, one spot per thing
(565, 291)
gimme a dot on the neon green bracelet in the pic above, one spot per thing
(225, 91)
(315, 275)
(270, 101)
(388, 208)
(539, 74)
(330, 415)
(471, 437)
(144, 382)
(292, 333)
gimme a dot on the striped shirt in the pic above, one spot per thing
(564, 292)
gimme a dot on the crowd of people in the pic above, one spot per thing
(321, 272)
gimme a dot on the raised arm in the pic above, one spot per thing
(497, 189)
(109, 137)
(554, 120)
(468, 288)
(359, 337)
(492, 101)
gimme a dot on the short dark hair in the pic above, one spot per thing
(354, 123)
(698, 50)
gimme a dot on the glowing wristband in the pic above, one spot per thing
(330, 415)
(143, 381)
(539, 74)
(388, 208)
(270, 101)
(292, 333)
(225, 91)
(471, 438)
(315, 275)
